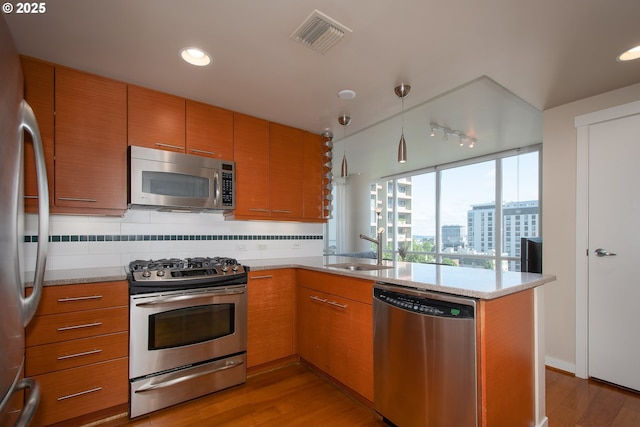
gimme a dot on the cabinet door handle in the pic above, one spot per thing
(177, 147)
(81, 393)
(261, 277)
(77, 199)
(30, 197)
(84, 353)
(193, 150)
(281, 211)
(259, 210)
(315, 298)
(335, 304)
(86, 325)
(71, 299)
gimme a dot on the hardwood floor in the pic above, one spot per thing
(295, 396)
(574, 402)
(289, 396)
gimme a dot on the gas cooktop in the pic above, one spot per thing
(176, 273)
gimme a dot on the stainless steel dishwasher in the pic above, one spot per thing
(424, 358)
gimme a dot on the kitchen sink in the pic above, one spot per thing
(354, 266)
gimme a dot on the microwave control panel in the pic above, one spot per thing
(228, 183)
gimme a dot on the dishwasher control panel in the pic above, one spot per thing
(426, 306)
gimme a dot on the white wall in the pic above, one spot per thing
(559, 198)
(87, 242)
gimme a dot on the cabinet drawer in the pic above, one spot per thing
(67, 298)
(70, 326)
(347, 287)
(79, 391)
(47, 358)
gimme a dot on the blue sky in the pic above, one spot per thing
(469, 185)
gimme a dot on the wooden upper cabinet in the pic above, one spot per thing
(286, 171)
(209, 130)
(312, 177)
(39, 93)
(155, 119)
(251, 154)
(90, 142)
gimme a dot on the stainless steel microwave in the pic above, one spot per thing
(171, 181)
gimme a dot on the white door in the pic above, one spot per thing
(614, 229)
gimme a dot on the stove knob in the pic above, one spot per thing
(160, 273)
(146, 273)
(234, 268)
(225, 268)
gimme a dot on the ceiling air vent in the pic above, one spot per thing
(319, 32)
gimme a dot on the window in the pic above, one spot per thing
(485, 207)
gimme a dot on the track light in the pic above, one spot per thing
(464, 139)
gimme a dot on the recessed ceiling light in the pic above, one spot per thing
(195, 56)
(346, 94)
(633, 53)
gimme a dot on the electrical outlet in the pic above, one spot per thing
(296, 245)
(241, 247)
(262, 246)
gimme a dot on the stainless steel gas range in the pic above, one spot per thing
(188, 330)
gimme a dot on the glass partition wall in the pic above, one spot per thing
(471, 213)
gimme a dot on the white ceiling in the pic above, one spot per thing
(546, 52)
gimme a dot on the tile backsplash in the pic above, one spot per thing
(88, 242)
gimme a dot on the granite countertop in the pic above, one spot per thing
(79, 276)
(463, 281)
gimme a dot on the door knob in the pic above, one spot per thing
(603, 252)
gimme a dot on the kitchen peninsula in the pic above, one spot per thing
(288, 322)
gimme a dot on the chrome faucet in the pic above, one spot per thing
(377, 242)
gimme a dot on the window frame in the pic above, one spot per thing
(496, 243)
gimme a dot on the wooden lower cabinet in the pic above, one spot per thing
(335, 328)
(77, 349)
(271, 332)
(506, 363)
(71, 393)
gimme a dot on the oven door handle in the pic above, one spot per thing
(169, 383)
(180, 298)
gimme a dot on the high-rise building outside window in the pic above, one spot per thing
(485, 206)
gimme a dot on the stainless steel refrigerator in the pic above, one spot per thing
(16, 311)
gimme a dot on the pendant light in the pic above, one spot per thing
(402, 91)
(344, 120)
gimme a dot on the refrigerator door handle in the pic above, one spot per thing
(31, 404)
(30, 124)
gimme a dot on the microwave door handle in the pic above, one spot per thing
(216, 187)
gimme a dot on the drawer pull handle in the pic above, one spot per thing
(159, 144)
(86, 325)
(70, 299)
(261, 277)
(281, 211)
(194, 150)
(315, 298)
(81, 393)
(259, 210)
(85, 353)
(77, 199)
(335, 304)
(174, 381)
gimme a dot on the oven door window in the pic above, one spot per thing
(175, 184)
(191, 325)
